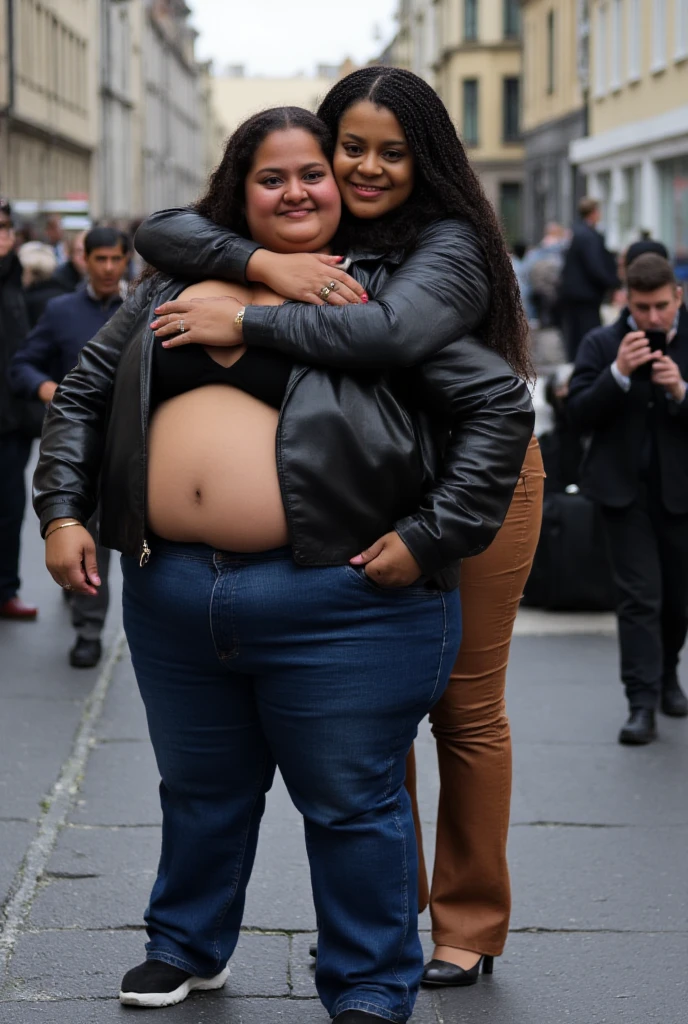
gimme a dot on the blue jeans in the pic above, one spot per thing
(245, 662)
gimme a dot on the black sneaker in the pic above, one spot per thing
(85, 653)
(155, 983)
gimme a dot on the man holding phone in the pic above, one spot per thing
(629, 393)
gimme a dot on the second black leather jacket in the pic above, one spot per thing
(355, 458)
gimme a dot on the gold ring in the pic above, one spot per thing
(324, 292)
(182, 328)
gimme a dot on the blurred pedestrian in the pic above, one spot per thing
(517, 254)
(39, 263)
(16, 429)
(589, 272)
(629, 392)
(542, 267)
(51, 350)
(70, 275)
(54, 237)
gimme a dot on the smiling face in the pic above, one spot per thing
(292, 201)
(373, 164)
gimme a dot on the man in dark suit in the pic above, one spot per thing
(49, 352)
(632, 400)
(589, 272)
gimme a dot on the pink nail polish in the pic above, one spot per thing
(364, 297)
(154, 325)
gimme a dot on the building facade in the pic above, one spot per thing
(478, 75)
(238, 96)
(636, 156)
(173, 144)
(555, 60)
(48, 98)
(103, 101)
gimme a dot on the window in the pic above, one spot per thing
(550, 53)
(511, 109)
(616, 43)
(470, 20)
(470, 111)
(681, 30)
(634, 40)
(510, 210)
(659, 35)
(512, 19)
(601, 51)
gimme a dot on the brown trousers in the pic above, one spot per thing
(470, 900)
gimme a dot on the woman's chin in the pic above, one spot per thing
(299, 241)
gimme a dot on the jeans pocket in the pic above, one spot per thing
(361, 577)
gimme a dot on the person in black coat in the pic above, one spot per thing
(629, 392)
(17, 428)
(589, 272)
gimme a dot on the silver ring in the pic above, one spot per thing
(67, 586)
(333, 286)
(324, 292)
(182, 328)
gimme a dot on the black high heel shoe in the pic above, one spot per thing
(442, 974)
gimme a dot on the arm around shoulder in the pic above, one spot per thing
(182, 243)
(439, 293)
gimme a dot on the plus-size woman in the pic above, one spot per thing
(240, 487)
(401, 171)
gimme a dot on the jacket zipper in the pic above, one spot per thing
(146, 358)
(295, 378)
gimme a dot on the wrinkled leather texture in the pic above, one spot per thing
(433, 451)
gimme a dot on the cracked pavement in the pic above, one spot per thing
(598, 846)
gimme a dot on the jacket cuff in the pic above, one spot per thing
(256, 328)
(428, 549)
(61, 510)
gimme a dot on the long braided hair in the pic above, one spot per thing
(446, 186)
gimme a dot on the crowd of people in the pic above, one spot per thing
(308, 430)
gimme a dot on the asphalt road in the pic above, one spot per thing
(598, 845)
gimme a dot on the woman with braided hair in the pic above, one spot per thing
(409, 192)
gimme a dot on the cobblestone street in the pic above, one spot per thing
(598, 845)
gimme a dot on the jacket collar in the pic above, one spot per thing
(395, 256)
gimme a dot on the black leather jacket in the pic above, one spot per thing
(430, 452)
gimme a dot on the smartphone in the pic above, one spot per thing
(657, 340)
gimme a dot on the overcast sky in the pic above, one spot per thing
(283, 37)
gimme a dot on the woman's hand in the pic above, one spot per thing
(301, 276)
(207, 321)
(388, 562)
(70, 555)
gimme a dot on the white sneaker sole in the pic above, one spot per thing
(154, 999)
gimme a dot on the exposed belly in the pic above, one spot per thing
(212, 471)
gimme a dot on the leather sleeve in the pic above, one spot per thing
(185, 245)
(492, 420)
(439, 293)
(594, 396)
(65, 483)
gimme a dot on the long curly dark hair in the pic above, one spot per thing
(224, 200)
(446, 186)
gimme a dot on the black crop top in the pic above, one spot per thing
(259, 372)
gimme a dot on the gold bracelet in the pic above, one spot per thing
(239, 318)
(75, 522)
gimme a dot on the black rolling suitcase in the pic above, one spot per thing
(571, 571)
